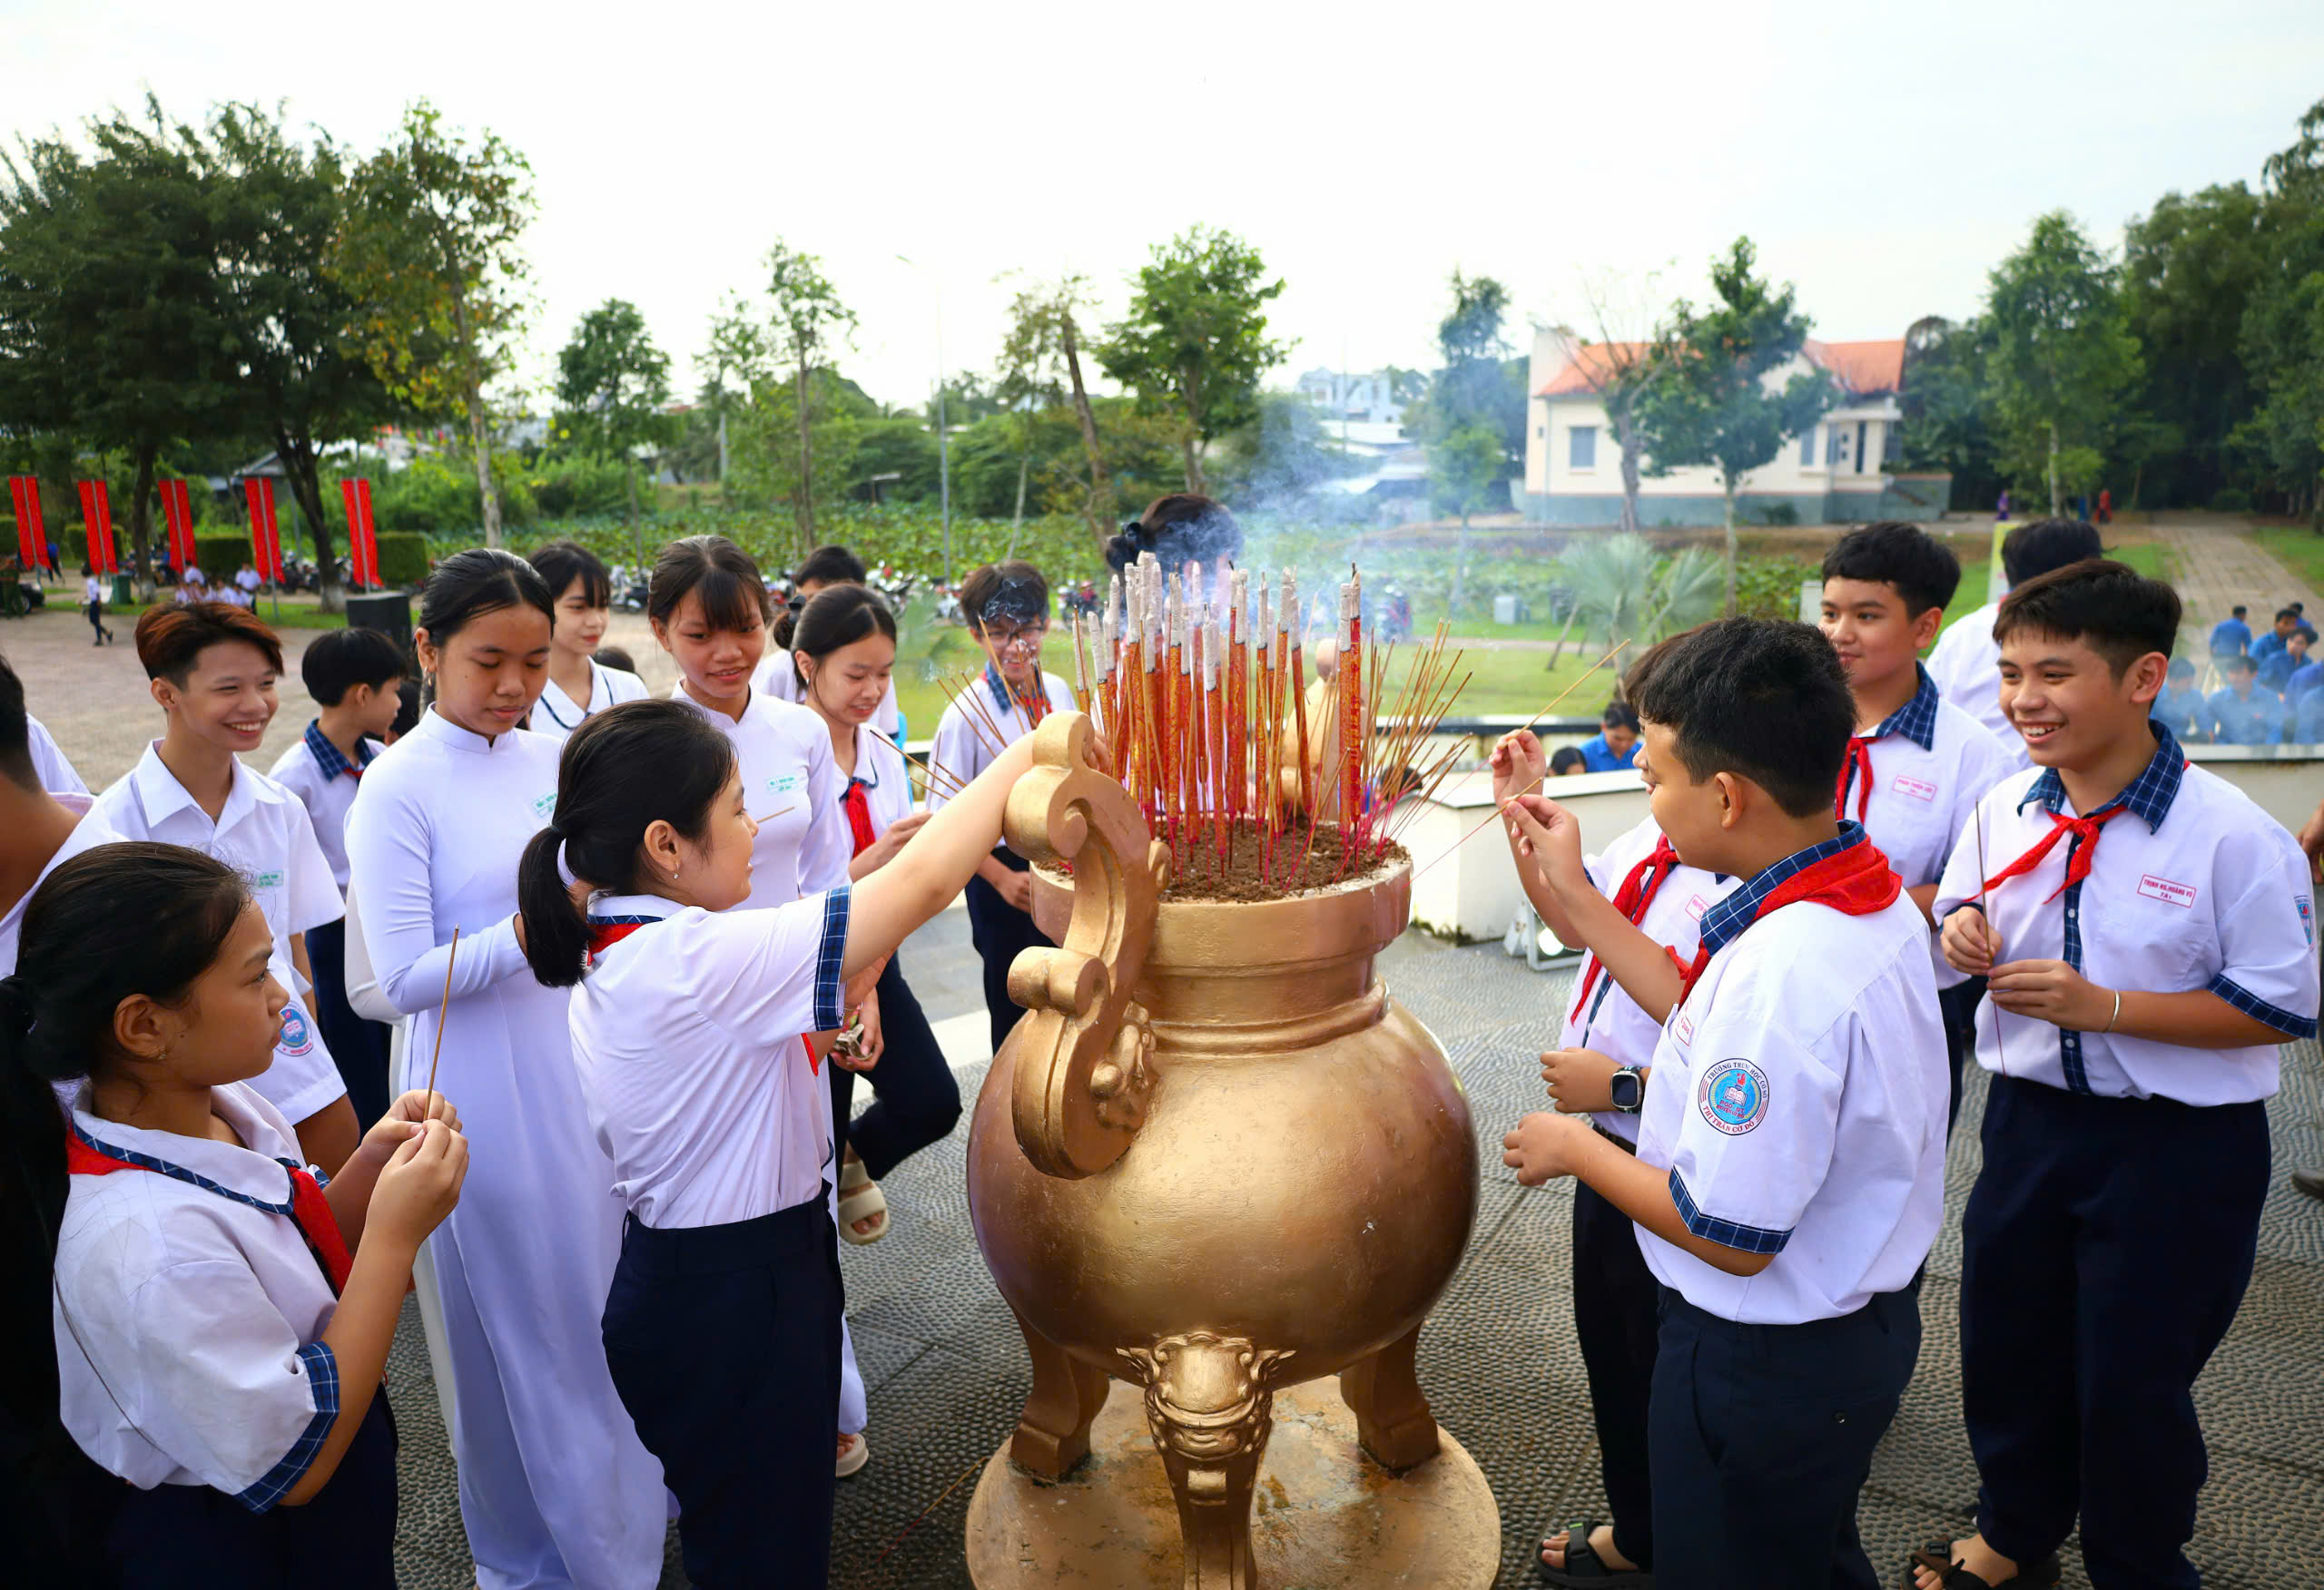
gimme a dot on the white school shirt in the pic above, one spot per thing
(93, 589)
(964, 745)
(686, 1033)
(264, 834)
(1965, 663)
(87, 834)
(776, 677)
(2191, 888)
(887, 784)
(556, 716)
(315, 772)
(56, 772)
(1931, 764)
(190, 1311)
(1610, 1022)
(1798, 1098)
(791, 787)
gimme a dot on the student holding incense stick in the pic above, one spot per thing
(221, 1317)
(2149, 935)
(1007, 606)
(723, 1326)
(1645, 907)
(213, 670)
(555, 1488)
(843, 648)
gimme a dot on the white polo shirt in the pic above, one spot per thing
(969, 740)
(1965, 663)
(56, 772)
(1931, 764)
(87, 834)
(776, 677)
(790, 788)
(264, 834)
(324, 782)
(2191, 887)
(190, 1311)
(1606, 1018)
(1798, 1098)
(686, 1033)
(556, 716)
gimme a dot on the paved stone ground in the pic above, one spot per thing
(2218, 565)
(947, 1371)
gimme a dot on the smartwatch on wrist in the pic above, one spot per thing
(1629, 1089)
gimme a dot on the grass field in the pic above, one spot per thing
(2299, 549)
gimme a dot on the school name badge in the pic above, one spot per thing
(1733, 1096)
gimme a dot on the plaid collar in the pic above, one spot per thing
(999, 687)
(327, 755)
(1916, 719)
(2148, 795)
(1726, 919)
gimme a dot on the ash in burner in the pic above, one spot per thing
(1199, 872)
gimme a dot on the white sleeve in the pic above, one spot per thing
(1961, 882)
(775, 969)
(310, 892)
(829, 845)
(210, 1373)
(1756, 1134)
(363, 995)
(953, 756)
(56, 773)
(2268, 937)
(389, 842)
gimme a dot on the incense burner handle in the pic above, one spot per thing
(1083, 1050)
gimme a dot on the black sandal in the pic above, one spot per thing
(1585, 1569)
(1937, 1556)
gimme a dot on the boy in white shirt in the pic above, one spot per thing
(1918, 765)
(1789, 1172)
(2149, 937)
(355, 677)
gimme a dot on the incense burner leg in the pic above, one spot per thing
(1207, 1405)
(1053, 1432)
(1393, 1419)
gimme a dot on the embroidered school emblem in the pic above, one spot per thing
(2307, 918)
(787, 782)
(1733, 1096)
(547, 804)
(296, 1038)
(267, 880)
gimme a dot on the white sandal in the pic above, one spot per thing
(852, 1461)
(859, 1198)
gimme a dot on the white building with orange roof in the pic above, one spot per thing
(1843, 470)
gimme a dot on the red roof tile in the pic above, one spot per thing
(1862, 368)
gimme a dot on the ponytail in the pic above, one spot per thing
(623, 771)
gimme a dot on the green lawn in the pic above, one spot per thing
(2299, 549)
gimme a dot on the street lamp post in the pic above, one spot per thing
(943, 438)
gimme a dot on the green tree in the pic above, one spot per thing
(2189, 268)
(114, 327)
(1948, 414)
(2064, 362)
(1713, 398)
(1474, 411)
(2282, 339)
(1040, 358)
(427, 244)
(1194, 341)
(808, 326)
(612, 386)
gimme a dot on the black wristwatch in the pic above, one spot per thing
(1628, 1086)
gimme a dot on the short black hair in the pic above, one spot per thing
(1568, 759)
(339, 659)
(563, 562)
(829, 565)
(2180, 668)
(1013, 589)
(2032, 550)
(2240, 662)
(1762, 698)
(2119, 611)
(1618, 715)
(2237, 611)
(16, 732)
(1921, 568)
(616, 658)
(2287, 612)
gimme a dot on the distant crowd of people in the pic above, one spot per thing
(2256, 690)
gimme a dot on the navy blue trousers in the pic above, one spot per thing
(2104, 1250)
(1000, 930)
(1761, 1435)
(917, 1099)
(1616, 1304)
(1957, 1005)
(724, 1344)
(191, 1537)
(359, 1047)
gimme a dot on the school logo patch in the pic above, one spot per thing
(1916, 788)
(2307, 918)
(1733, 1096)
(2168, 892)
(267, 880)
(547, 804)
(296, 1038)
(1683, 1026)
(787, 782)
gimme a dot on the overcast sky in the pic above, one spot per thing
(1884, 156)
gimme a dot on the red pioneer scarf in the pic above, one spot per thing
(1858, 766)
(2078, 860)
(857, 804)
(309, 1211)
(1639, 887)
(1857, 882)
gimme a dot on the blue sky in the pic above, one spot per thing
(1884, 156)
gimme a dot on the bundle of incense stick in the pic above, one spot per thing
(1198, 682)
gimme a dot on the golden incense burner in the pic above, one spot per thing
(1214, 1159)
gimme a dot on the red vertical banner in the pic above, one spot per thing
(96, 515)
(28, 518)
(266, 541)
(24, 493)
(362, 535)
(177, 510)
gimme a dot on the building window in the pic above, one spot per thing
(1541, 430)
(1836, 446)
(1581, 447)
(1892, 443)
(1807, 448)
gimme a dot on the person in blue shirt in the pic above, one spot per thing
(1615, 745)
(2307, 719)
(2231, 636)
(2276, 672)
(2288, 621)
(2180, 705)
(2304, 679)
(2242, 713)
